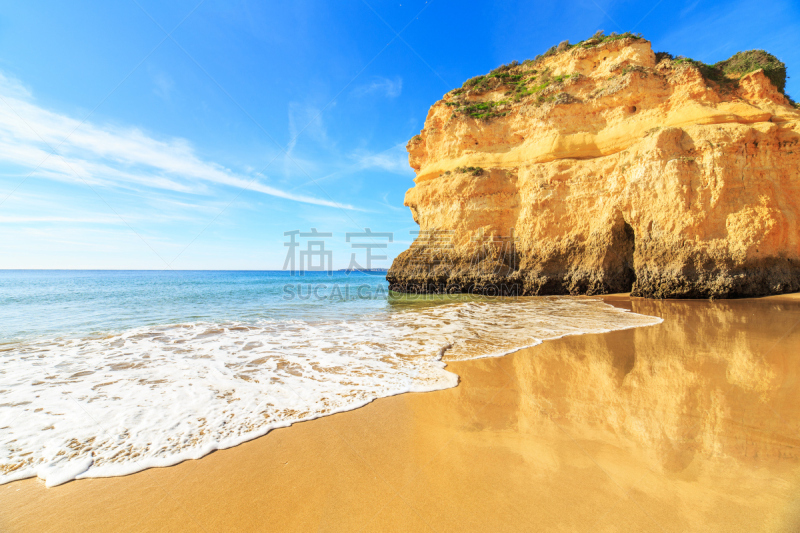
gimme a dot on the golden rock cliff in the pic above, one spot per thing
(604, 168)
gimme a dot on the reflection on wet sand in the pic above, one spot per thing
(695, 420)
(714, 380)
(689, 425)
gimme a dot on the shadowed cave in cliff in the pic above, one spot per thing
(620, 255)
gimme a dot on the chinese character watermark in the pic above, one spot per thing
(314, 249)
(434, 265)
(368, 246)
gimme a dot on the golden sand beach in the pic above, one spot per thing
(690, 425)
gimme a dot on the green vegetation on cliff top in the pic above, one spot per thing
(524, 82)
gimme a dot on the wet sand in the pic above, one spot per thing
(690, 425)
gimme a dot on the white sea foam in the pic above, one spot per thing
(155, 396)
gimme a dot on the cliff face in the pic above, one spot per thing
(600, 169)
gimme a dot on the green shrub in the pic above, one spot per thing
(505, 68)
(475, 171)
(739, 65)
(600, 37)
(709, 72)
(661, 56)
(549, 52)
(475, 82)
(744, 63)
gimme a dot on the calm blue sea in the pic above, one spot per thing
(48, 303)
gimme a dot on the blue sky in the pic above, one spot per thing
(192, 135)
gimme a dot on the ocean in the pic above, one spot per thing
(106, 373)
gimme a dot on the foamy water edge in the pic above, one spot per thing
(422, 371)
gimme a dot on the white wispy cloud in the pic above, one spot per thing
(27, 208)
(391, 88)
(112, 156)
(395, 160)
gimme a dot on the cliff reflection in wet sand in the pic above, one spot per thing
(711, 381)
(694, 420)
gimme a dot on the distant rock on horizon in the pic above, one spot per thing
(604, 167)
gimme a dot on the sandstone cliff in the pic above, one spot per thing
(604, 167)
